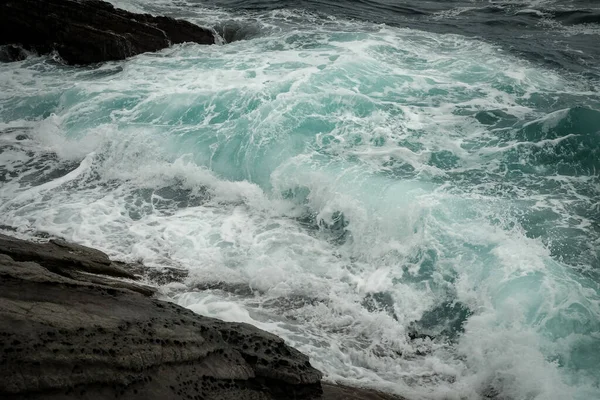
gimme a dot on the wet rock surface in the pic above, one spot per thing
(158, 276)
(66, 333)
(340, 392)
(63, 338)
(11, 52)
(62, 257)
(89, 31)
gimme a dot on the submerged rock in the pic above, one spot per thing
(11, 52)
(90, 31)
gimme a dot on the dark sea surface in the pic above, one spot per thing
(556, 33)
(408, 192)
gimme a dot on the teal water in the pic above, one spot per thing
(417, 212)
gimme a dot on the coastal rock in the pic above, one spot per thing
(340, 392)
(69, 332)
(90, 31)
(61, 257)
(67, 339)
(11, 52)
(157, 275)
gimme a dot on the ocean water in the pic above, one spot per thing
(409, 193)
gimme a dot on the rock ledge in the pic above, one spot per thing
(90, 31)
(67, 332)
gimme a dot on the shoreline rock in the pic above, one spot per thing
(89, 31)
(68, 333)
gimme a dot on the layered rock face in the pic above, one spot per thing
(90, 31)
(64, 338)
(76, 325)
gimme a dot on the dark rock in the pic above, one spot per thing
(239, 289)
(61, 257)
(339, 392)
(67, 339)
(11, 52)
(106, 281)
(90, 31)
(158, 276)
(68, 334)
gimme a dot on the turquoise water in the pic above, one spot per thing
(417, 212)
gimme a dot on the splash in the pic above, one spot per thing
(416, 212)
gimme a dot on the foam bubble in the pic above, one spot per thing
(363, 191)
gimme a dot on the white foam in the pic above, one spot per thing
(335, 114)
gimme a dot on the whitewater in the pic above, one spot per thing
(418, 212)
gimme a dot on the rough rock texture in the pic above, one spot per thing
(69, 334)
(62, 257)
(158, 276)
(11, 52)
(66, 339)
(339, 392)
(89, 31)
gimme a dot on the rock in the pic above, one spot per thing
(11, 52)
(158, 276)
(68, 334)
(61, 257)
(90, 31)
(102, 280)
(66, 339)
(340, 392)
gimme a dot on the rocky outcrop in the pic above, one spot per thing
(340, 392)
(90, 31)
(69, 331)
(73, 261)
(63, 338)
(11, 52)
(62, 257)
